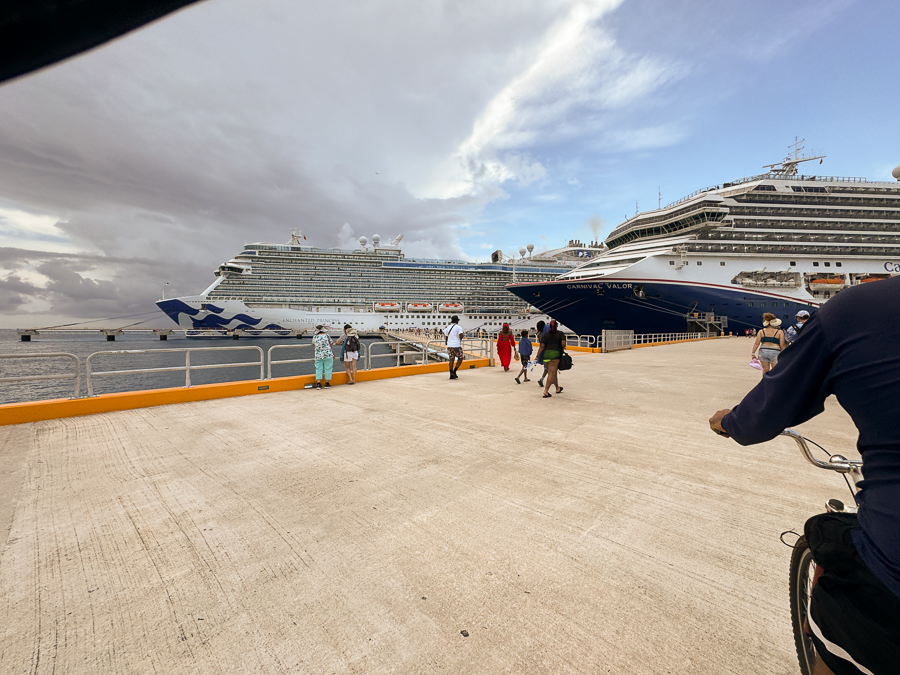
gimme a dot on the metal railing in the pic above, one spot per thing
(582, 340)
(31, 378)
(650, 338)
(421, 352)
(187, 367)
(363, 353)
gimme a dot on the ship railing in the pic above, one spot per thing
(187, 367)
(53, 376)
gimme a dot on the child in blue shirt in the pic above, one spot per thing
(524, 355)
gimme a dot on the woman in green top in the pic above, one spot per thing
(553, 344)
(769, 342)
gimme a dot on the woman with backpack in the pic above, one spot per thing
(350, 352)
(553, 344)
(769, 342)
(506, 342)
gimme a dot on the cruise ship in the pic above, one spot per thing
(285, 289)
(719, 258)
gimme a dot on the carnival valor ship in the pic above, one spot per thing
(719, 258)
(285, 289)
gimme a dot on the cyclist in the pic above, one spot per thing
(850, 348)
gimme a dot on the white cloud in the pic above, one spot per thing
(565, 93)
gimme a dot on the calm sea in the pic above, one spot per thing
(83, 346)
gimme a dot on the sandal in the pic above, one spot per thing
(548, 395)
(559, 391)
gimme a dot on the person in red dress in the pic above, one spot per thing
(506, 343)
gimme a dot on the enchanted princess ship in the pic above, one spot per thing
(285, 289)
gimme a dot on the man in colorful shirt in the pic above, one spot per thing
(324, 357)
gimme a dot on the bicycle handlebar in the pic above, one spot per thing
(834, 463)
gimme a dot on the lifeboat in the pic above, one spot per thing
(873, 277)
(418, 306)
(827, 284)
(388, 307)
(450, 307)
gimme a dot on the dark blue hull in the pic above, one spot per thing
(588, 307)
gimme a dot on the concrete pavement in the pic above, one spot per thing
(414, 525)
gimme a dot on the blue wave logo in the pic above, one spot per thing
(175, 308)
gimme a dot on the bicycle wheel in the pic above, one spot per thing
(802, 570)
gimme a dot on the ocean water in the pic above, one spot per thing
(83, 346)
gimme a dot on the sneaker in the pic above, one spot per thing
(318, 385)
(327, 385)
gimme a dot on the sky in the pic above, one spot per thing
(468, 126)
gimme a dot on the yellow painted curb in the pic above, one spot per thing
(38, 411)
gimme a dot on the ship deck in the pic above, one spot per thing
(414, 525)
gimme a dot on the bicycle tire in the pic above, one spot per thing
(802, 572)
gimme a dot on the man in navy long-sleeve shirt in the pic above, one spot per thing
(849, 348)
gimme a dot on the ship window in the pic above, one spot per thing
(815, 264)
(671, 262)
(837, 264)
(699, 262)
(793, 263)
(749, 304)
(827, 264)
(722, 264)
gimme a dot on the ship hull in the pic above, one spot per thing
(219, 318)
(647, 305)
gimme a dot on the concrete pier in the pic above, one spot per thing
(414, 525)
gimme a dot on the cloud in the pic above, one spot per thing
(154, 158)
(570, 90)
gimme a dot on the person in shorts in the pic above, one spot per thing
(453, 337)
(350, 346)
(769, 342)
(525, 350)
(324, 358)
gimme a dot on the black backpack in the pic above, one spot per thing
(352, 344)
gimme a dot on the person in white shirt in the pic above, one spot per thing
(453, 336)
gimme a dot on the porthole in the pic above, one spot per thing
(793, 263)
(815, 264)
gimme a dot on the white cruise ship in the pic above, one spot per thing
(719, 258)
(282, 289)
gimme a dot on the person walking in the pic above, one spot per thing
(506, 342)
(769, 342)
(525, 350)
(553, 344)
(542, 329)
(350, 352)
(793, 332)
(324, 357)
(453, 338)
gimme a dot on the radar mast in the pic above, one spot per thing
(788, 166)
